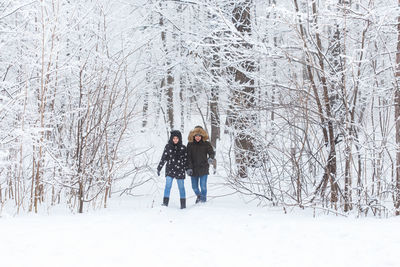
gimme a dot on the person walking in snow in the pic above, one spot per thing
(175, 155)
(200, 155)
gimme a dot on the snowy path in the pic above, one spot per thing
(219, 233)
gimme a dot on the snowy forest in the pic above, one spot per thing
(301, 99)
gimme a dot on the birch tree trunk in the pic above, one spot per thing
(215, 90)
(397, 118)
(169, 90)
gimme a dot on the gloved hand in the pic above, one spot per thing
(210, 161)
(158, 172)
(189, 172)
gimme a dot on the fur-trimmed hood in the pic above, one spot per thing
(198, 130)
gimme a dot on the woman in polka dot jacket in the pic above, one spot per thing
(175, 155)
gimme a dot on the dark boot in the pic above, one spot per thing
(165, 201)
(198, 199)
(183, 203)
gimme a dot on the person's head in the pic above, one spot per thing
(197, 137)
(175, 138)
(202, 135)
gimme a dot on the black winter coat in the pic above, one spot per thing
(176, 158)
(198, 154)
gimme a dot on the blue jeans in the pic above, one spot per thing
(203, 186)
(168, 185)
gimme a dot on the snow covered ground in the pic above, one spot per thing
(223, 232)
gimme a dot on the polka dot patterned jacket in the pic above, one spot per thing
(175, 156)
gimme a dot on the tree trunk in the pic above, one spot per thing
(146, 104)
(169, 76)
(243, 100)
(331, 167)
(38, 147)
(214, 107)
(170, 96)
(324, 106)
(340, 65)
(397, 118)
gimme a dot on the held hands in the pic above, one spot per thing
(189, 172)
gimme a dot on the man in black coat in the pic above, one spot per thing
(175, 155)
(200, 156)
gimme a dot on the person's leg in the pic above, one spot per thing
(183, 203)
(182, 193)
(195, 185)
(168, 185)
(203, 187)
(181, 186)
